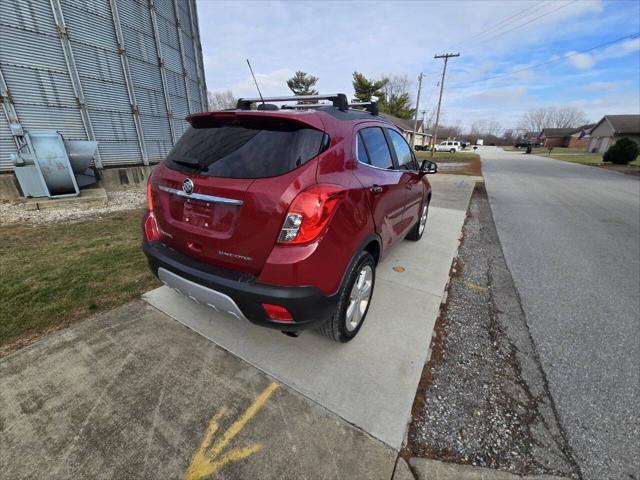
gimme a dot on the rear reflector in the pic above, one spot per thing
(276, 312)
(151, 228)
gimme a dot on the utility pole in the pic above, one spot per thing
(446, 57)
(415, 116)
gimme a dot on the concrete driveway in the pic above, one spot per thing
(133, 394)
(570, 235)
(372, 380)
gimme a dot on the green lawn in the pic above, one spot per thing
(460, 163)
(543, 150)
(53, 275)
(447, 157)
(576, 155)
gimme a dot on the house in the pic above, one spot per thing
(556, 137)
(581, 137)
(612, 128)
(423, 138)
(533, 137)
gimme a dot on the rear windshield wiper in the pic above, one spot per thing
(195, 165)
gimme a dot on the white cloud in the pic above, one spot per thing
(587, 60)
(580, 60)
(604, 86)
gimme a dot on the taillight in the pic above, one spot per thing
(277, 312)
(309, 213)
(149, 197)
(150, 225)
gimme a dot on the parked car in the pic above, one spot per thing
(281, 217)
(527, 143)
(451, 146)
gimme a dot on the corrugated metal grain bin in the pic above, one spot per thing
(122, 72)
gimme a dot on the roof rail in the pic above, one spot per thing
(304, 105)
(371, 107)
(338, 99)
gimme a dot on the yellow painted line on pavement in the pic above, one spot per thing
(475, 286)
(208, 461)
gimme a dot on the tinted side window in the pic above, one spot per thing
(234, 151)
(379, 154)
(403, 151)
(361, 152)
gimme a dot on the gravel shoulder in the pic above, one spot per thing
(12, 213)
(483, 399)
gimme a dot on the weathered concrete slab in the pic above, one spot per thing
(426, 469)
(132, 394)
(89, 196)
(402, 471)
(371, 381)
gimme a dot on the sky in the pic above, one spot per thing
(498, 42)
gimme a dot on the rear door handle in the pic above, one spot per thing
(376, 189)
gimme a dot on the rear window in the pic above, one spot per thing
(236, 151)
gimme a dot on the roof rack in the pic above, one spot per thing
(339, 100)
(371, 107)
(304, 105)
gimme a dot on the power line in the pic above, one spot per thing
(626, 37)
(529, 9)
(527, 22)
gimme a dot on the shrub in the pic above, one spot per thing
(622, 152)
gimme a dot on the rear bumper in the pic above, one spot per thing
(236, 293)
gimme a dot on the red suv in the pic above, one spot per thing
(279, 215)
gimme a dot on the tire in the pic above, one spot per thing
(339, 327)
(453, 150)
(419, 228)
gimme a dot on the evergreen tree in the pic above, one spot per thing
(398, 105)
(303, 83)
(365, 89)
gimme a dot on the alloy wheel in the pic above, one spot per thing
(423, 219)
(359, 298)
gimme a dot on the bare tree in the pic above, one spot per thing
(486, 127)
(396, 86)
(449, 131)
(535, 120)
(221, 100)
(568, 117)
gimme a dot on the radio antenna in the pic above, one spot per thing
(255, 81)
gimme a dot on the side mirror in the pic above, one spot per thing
(428, 167)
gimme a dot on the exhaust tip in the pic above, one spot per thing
(291, 334)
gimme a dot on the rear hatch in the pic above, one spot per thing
(223, 191)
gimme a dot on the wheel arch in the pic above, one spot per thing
(371, 244)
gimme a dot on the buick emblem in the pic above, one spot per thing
(187, 186)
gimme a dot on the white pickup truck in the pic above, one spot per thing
(451, 146)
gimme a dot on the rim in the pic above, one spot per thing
(423, 219)
(359, 298)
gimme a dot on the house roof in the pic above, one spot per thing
(557, 132)
(583, 130)
(405, 124)
(623, 123)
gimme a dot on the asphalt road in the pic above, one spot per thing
(570, 235)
